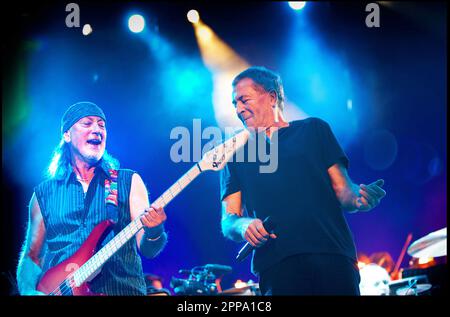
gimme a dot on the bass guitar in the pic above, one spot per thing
(72, 276)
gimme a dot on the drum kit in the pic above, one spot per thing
(378, 276)
(375, 280)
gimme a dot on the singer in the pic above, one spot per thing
(312, 251)
(85, 187)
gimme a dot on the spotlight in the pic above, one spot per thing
(297, 5)
(193, 16)
(87, 29)
(136, 23)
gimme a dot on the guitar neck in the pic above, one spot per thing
(92, 266)
(179, 185)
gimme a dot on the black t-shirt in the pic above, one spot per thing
(298, 196)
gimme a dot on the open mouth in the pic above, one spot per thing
(94, 141)
(245, 119)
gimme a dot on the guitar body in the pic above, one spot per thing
(56, 280)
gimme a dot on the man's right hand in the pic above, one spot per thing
(256, 234)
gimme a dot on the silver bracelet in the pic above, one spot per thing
(154, 239)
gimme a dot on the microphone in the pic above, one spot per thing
(248, 248)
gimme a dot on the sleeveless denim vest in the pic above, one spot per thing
(70, 216)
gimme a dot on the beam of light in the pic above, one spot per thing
(136, 23)
(159, 47)
(322, 81)
(184, 79)
(297, 5)
(224, 64)
(205, 33)
(187, 78)
(193, 16)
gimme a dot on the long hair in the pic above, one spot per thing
(60, 163)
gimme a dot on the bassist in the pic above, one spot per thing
(85, 187)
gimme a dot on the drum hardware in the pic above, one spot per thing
(413, 289)
(202, 280)
(415, 285)
(437, 276)
(375, 279)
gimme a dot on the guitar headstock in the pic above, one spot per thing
(216, 158)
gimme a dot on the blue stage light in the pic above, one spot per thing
(297, 5)
(136, 23)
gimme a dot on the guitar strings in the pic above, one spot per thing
(68, 285)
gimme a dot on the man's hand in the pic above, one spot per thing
(370, 195)
(255, 233)
(153, 217)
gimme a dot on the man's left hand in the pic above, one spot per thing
(154, 216)
(370, 195)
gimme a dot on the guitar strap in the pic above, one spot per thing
(111, 195)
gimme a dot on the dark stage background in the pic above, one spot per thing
(383, 91)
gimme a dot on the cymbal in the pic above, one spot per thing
(413, 290)
(430, 246)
